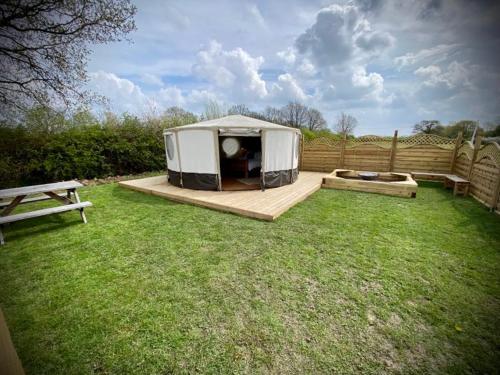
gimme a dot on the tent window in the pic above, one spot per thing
(170, 147)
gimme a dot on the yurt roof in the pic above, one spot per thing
(233, 122)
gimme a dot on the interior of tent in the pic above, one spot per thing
(240, 162)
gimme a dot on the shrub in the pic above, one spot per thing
(94, 151)
(323, 133)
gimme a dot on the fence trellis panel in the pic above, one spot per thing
(463, 159)
(485, 175)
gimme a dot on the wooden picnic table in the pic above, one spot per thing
(22, 195)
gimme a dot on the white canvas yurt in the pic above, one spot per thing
(232, 153)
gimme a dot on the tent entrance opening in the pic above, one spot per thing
(240, 162)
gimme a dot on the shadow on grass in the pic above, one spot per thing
(430, 184)
(477, 215)
(41, 225)
(473, 212)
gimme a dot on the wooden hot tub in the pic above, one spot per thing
(389, 183)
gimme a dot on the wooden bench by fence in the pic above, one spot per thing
(458, 184)
(428, 176)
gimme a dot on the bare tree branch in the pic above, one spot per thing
(44, 47)
(345, 124)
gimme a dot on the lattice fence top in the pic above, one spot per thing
(372, 138)
(490, 151)
(321, 141)
(466, 149)
(386, 142)
(427, 139)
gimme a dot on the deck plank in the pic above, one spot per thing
(265, 205)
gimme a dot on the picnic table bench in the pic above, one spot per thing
(50, 191)
(460, 185)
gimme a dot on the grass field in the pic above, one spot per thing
(344, 282)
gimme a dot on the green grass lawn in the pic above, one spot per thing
(344, 282)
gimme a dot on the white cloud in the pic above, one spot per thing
(329, 40)
(333, 55)
(170, 96)
(306, 69)
(371, 83)
(151, 79)
(436, 54)
(375, 42)
(235, 71)
(428, 71)
(456, 75)
(288, 56)
(123, 94)
(341, 33)
(288, 89)
(254, 11)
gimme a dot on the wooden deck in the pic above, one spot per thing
(267, 205)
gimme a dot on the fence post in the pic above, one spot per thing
(496, 194)
(342, 151)
(301, 160)
(477, 145)
(458, 143)
(393, 151)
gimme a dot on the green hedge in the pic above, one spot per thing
(94, 151)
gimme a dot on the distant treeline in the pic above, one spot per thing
(46, 145)
(468, 128)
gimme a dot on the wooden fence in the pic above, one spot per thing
(418, 153)
(480, 164)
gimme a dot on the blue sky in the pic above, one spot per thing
(389, 63)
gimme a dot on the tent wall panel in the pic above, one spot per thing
(197, 151)
(278, 148)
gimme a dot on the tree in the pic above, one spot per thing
(492, 130)
(213, 110)
(273, 114)
(44, 120)
(176, 116)
(239, 109)
(345, 124)
(315, 120)
(83, 117)
(44, 46)
(465, 126)
(295, 114)
(428, 127)
(110, 120)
